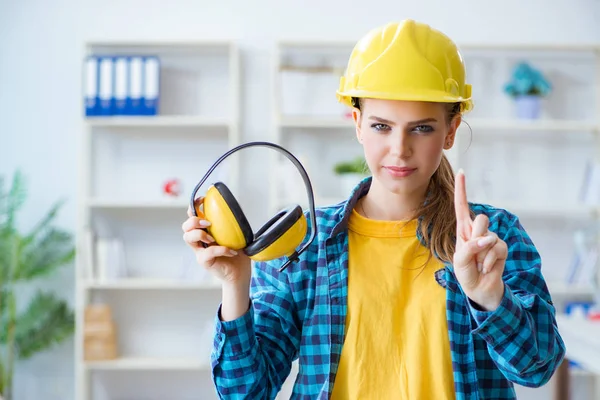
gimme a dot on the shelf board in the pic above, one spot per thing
(551, 47)
(582, 340)
(307, 43)
(162, 47)
(569, 212)
(159, 43)
(315, 122)
(166, 204)
(574, 371)
(303, 202)
(151, 284)
(166, 121)
(533, 125)
(574, 211)
(147, 363)
(565, 289)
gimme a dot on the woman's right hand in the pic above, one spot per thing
(229, 266)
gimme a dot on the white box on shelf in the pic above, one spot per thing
(307, 93)
(295, 92)
(110, 259)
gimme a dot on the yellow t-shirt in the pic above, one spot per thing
(397, 344)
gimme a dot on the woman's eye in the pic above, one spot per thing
(380, 127)
(423, 128)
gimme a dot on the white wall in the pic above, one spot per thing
(41, 44)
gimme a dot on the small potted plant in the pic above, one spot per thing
(527, 87)
(351, 172)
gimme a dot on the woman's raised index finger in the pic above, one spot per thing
(461, 206)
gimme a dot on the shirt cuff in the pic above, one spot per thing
(499, 325)
(234, 339)
(477, 312)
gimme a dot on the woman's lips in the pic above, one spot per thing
(399, 172)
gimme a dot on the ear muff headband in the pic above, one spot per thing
(309, 191)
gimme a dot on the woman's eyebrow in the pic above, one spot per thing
(423, 121)
(382, 120)
(388, 122)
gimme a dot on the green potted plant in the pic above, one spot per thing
(351, 172)
(46, 319)
(527, 87)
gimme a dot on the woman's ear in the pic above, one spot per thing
(451, 135)
(356, 116)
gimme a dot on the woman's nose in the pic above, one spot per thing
(400, 145)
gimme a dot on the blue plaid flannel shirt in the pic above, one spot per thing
(301, 313)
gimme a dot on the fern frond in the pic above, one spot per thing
(3, 197)
(9, 255)
(6, 251)
(53, 250)
(46, 322)
(3, 309)
(16, 198)
(45, 222)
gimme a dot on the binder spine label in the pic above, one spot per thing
(91, 86)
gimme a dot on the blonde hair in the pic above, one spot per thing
(437, 217)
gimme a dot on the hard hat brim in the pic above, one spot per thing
(432, 96)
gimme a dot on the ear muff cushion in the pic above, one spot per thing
(229, 225)
(289, 225)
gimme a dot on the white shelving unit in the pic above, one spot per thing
(533, 168)
(163, 306)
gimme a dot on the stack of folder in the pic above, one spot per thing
(121, 85)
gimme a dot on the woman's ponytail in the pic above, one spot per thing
(437, 215)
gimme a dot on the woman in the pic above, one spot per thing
(409, 291)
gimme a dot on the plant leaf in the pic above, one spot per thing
(9, 248)
(46, 322)
(3, 300)
(16, 198)
(43, 223)
(6, 252)
(3, 197)
(40, 258)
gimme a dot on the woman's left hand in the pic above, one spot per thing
(480, 255)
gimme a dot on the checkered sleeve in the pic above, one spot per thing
(521, 334)
(252, 355)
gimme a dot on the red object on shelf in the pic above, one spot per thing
(172, 187)
(594, 315)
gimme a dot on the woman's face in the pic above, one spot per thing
(403, 141)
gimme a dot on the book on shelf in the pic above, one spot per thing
(583, 270)
(590, 188)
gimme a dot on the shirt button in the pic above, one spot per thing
(335, 300)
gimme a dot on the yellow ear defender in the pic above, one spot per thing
(278, 237)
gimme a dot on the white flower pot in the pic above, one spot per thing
(528, 107)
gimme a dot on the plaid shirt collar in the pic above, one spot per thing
(359, 191)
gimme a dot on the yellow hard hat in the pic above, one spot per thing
(406, 60)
